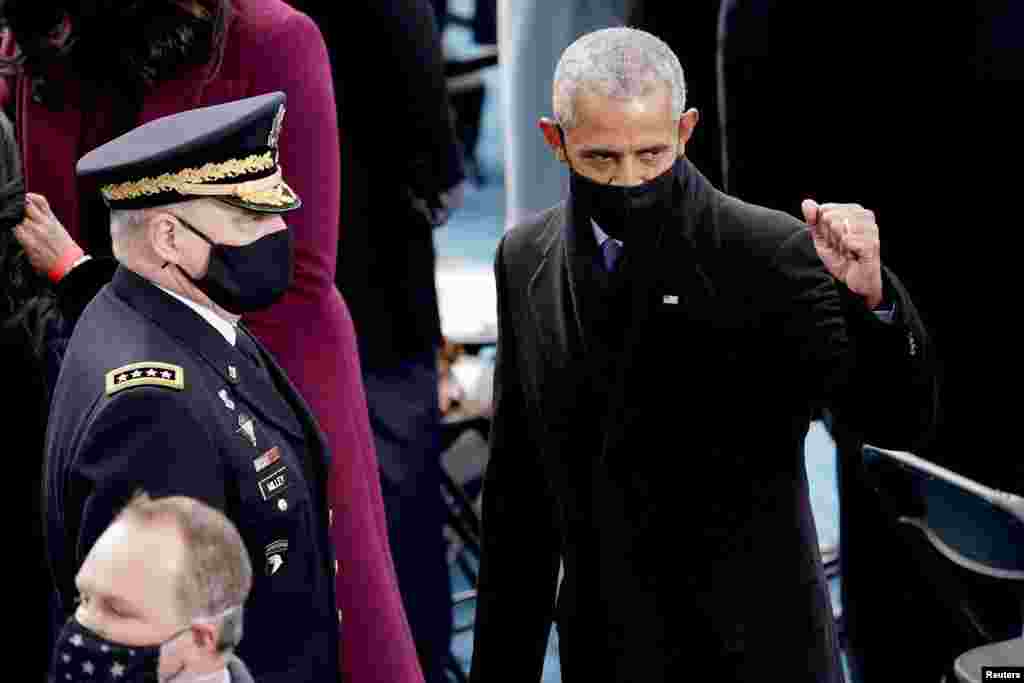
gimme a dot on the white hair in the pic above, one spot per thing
(616, 62)
(126, 227)
(125, 222)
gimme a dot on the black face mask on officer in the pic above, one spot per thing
(616, 207)
(246, 278)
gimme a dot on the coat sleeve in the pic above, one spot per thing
(521, 544)
(879, 378)
(146, 439)
(76, 289)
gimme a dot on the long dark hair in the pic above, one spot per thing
(126, 44)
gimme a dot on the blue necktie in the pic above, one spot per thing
(611, 250)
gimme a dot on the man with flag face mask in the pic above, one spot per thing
(163, 388)
(160, 599)
(639, 321)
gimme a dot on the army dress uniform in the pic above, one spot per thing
(154, 395)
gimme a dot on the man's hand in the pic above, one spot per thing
(43, 237)
(846, 239)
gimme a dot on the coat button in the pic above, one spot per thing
(335, 567)
(233, 374)
(339, 616)
(330, 516)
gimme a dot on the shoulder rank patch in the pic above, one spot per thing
(146, 374)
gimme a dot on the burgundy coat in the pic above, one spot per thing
(271, 46)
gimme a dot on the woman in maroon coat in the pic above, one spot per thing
(264, 45)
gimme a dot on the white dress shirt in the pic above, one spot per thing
(220, 324)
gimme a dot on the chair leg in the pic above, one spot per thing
(468, 570)
(456, 669)
(461, 517)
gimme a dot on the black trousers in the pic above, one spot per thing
(405, 417)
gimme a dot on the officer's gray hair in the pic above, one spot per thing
(218, 574)
(616, 62)
(125, 224)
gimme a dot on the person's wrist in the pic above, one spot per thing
(67, 260)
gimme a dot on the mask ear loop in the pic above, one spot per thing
(200, 620)
(193, 229)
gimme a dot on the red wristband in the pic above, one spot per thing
(63, 265)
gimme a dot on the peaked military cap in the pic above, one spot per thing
(228, 152)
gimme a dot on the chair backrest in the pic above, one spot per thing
(977, 527)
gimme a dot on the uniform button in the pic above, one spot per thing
(282, 505)
(233, 374)
(339, 616)
(335, 567)
(330, 516)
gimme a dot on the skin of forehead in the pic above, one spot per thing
(139, 565)
(623, 123)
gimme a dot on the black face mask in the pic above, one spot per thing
(251, 277)
(618, 209)
(81, 655)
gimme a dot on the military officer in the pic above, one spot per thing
(162, 389)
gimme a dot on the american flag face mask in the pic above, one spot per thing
(81, 655)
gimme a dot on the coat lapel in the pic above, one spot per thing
(667, 269)
(194, 333)
(554, 304)
(550, 294)
(284, 387)
(585, 277)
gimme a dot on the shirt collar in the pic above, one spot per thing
(220, 324)
(601, 235)
(219, 676)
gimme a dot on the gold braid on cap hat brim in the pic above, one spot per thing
(269, 190)
(196, 181)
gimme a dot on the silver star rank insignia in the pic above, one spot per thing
(145, 374)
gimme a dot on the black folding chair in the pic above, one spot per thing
(977, 528)
(463, 520)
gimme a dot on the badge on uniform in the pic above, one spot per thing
(275, 129)
(228, 403)
(267, 459)
(247, 428)
(670, 299)
(275, 483)
(275, 553)
(147, 374)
